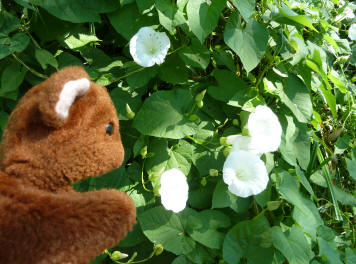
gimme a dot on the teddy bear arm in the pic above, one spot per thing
(66, 227)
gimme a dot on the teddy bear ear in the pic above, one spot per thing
(58, 94)
(70, 91)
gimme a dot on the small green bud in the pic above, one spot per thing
(203, 181)
(200, 96)
(153, 177)
(235, 122)
(158, 249)
(223, 141)
(213, 172)
(245, 132)
(193, 117)
(129, 113)
(227, 151)
(143, 152)
(117, 255)
(200, 104)
(156, 190)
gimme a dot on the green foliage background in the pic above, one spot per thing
(293, 56)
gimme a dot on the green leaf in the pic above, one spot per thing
(342, 144)
(69, 10)
(8, 23)
(102, 6)
(141, 78)
(297, 98)
(169, 15)
(304, 181)
(182, 260)
(292, 244)
(223, 198)
(335, 78)
(208, 234)
(351, 167)
(350, 256)
(164, 227)
(203, 16)
(17, 43)
(4, 117)
(295, 143)
(249, 44)
(45, 58)
(246, 8)
(328, 251)
(305, 213)
(127, 21)
(246, 238)
(166, 111)
(124, 95)
(290, 14)
(173, 70)
(195, 55)
(78, 40)
(230, 89)
(11, 78)
(66, 59)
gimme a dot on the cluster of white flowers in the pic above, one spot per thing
(148, 47)
(244, 172)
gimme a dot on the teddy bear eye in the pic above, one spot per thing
(109, 129)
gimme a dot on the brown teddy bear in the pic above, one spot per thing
(62, 131)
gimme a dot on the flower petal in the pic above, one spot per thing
(245, 173)
(174, 190)
(148, 47)
(265, 130)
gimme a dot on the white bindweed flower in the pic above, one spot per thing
(174, 190)
(148, 47)
(239, 142)
(265, 129)
(347, 13)
(352, 32)
(245, 173)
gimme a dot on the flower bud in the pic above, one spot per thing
(156, 190)
(200, 96)
(143, 152)
(158, 249)
(129, 113)
(153, 177)
(203, 181)
(235, 122)
(227, 151)
(223, 141)
(117, 255)
(213, 172)
(200, 104)
(193, 117)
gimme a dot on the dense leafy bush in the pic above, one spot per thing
(225, 58)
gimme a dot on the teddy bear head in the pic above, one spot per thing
(62, 130)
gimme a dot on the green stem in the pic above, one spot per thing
(28, 68)
(142, 178)
(200, 143)
(327, 177)
(130, 73)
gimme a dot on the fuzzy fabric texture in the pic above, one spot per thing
(42, 219)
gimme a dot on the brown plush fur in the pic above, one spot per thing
(42, 219)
